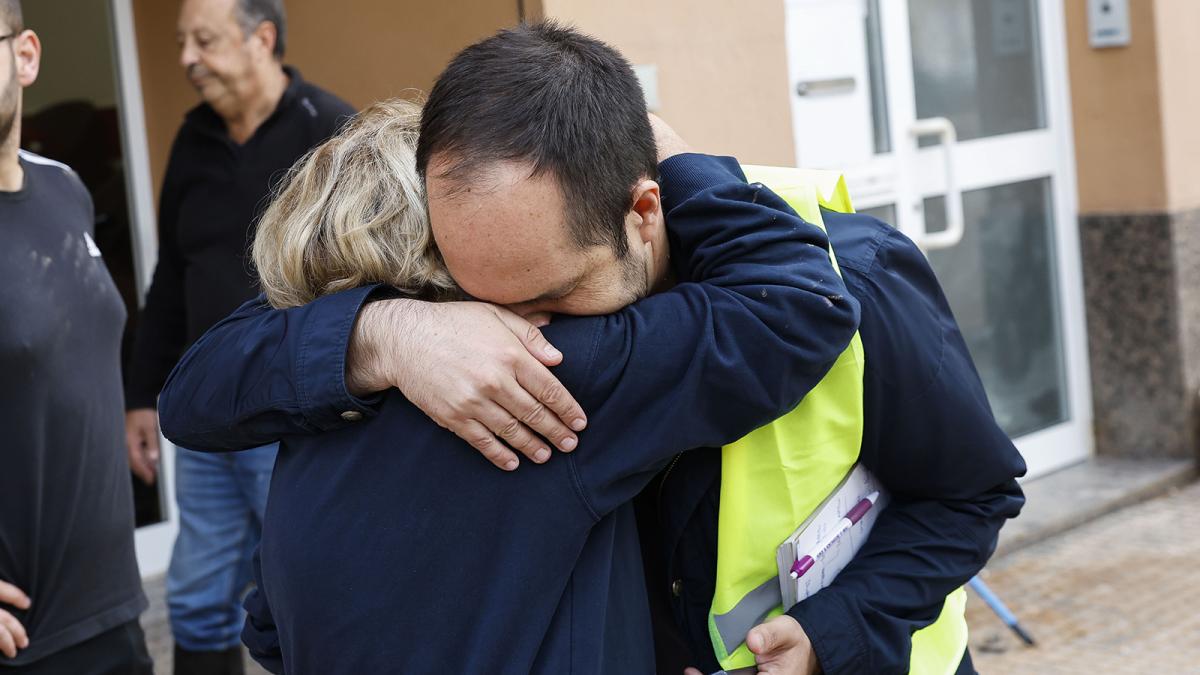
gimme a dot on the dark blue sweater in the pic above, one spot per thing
(391, 546)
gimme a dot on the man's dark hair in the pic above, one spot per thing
(10, 14)
(251, 13)
(564, 102)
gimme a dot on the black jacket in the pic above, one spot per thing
(929, 436)
(213, 193)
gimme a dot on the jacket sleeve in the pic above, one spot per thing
(259, 632)
(950, 468)
(758, 321)
(162, 327)
(261, 374)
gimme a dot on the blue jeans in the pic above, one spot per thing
(222, 499)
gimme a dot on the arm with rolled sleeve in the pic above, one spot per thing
(933, 442)
(262, 373)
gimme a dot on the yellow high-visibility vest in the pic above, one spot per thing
(775, 477)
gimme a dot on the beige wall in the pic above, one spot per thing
(166, 95)
(1137, 143)
(722, 66)
(1118, 129)
(1176, 22)
(362, 50)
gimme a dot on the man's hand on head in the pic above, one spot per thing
(475, 369)
(668, 142)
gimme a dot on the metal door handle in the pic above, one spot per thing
(836, 85)
(943, 128)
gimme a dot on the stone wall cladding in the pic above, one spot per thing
(1185, 229)
(1141, 276)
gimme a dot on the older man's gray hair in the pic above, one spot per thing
(251, 13)
(10, 15)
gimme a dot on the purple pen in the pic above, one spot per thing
(855, 514)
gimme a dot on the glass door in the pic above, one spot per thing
(951, 120)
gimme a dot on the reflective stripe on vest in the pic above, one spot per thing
(776, 476)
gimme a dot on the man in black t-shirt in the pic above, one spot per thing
(256, 118)
(70, 592)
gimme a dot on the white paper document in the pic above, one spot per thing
(855, 487)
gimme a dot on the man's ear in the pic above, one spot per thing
(27, 49)
(646, 214)
(266, 35)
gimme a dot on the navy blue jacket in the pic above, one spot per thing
(391, 546)
(929, 436)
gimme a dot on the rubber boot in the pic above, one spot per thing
(224, 662)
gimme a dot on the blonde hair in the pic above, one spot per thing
(352, 212)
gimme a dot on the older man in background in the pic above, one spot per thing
(256, 119)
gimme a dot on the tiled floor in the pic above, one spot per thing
(1118, 595)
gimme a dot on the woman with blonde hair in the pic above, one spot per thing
(352, 212)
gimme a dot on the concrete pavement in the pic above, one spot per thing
(1118, 595)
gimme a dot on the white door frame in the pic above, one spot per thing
(153, 542)
(1008, 159)
(906, 175)
(1052, 448)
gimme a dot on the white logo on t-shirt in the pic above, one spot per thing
(93, 249)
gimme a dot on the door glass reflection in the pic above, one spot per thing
(878, 83)
(886, 213)
(1001, 283)
(978, 63)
